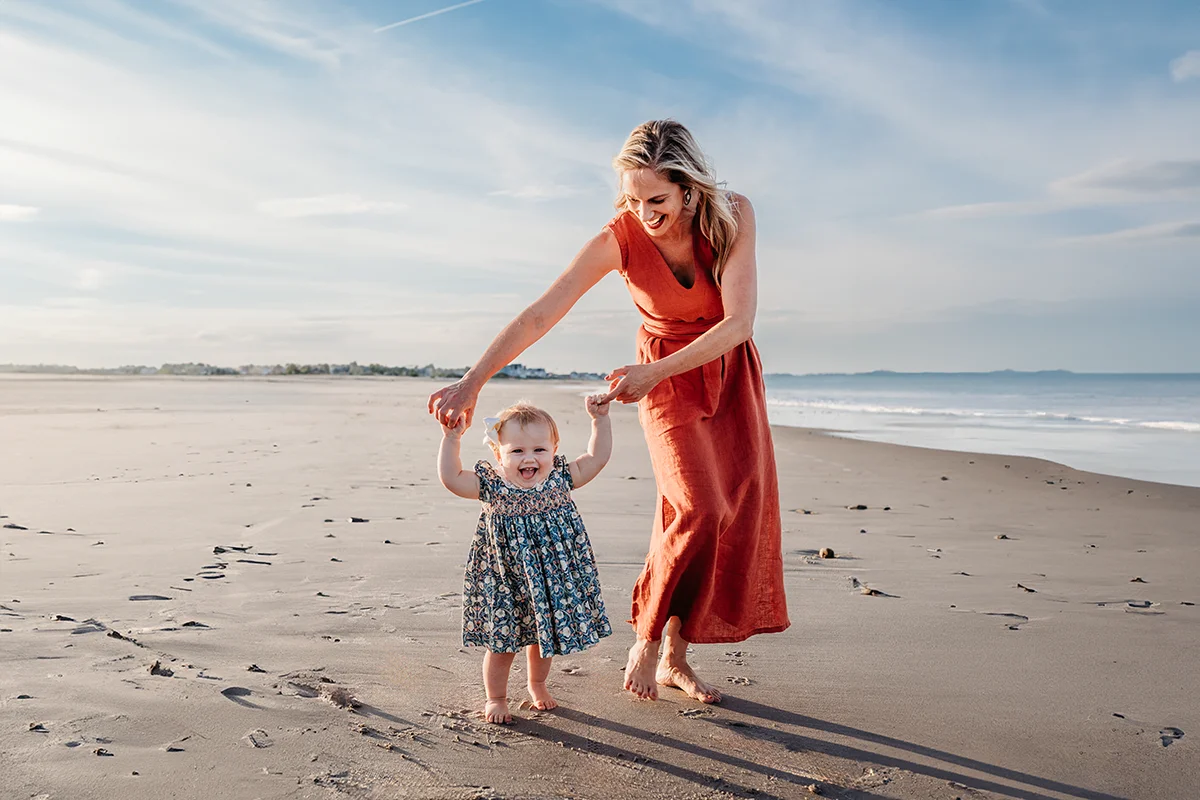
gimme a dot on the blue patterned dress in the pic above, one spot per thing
(531, 576)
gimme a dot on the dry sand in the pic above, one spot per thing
(953, 681)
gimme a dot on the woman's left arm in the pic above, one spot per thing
(739, 296)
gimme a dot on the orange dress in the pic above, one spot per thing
(715, 556)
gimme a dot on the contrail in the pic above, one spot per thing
(427, 16)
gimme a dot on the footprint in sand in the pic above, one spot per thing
(258, 738)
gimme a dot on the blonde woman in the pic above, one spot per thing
(685, 249)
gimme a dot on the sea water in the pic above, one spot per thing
(1137, 426)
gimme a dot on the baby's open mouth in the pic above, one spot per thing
(528, 472)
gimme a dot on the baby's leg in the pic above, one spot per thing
(495, 682)
(539, 671)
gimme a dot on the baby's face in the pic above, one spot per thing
(526, 453)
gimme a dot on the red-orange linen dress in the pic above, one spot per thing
(715, 558)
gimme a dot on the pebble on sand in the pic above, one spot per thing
(827, 552)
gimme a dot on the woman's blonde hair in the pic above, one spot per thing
(667, 147)
(523, 414)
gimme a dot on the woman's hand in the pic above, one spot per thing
(631, 383)
(454, 404)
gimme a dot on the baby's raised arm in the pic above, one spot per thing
(450, 471)
(588, 465)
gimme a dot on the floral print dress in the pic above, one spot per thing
(531, 576)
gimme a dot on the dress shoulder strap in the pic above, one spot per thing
(487, 480)
(563, 465)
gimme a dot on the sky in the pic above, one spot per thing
(939, 186)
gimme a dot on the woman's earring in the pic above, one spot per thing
(687, 197)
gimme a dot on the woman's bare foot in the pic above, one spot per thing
(680, 675)
(639, 670)
(496, 711)
(540, 696)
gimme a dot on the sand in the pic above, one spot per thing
(205, 526)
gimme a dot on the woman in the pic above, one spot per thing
(685, 248)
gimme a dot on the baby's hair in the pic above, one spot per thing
(523, 414)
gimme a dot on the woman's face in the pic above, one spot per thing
(655, 201)
(526, 452)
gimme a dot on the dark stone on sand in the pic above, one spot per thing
(336, 559)
(1186, 603)
(148, 597)
(1027, 589)
(329, 520)
(194, 624)
(1001, 535)
(1136, 580)
(248, 484)
(100, 751)
(255, 668)
(37, 727)
(387, 541)
(15, 527)
(859, 507)
(945, 478)
(862, 530)
(1121, 716)
(887, 508)
(359, 519)
(158, 669)
(61, 618)
(322, 594)
(96, 543)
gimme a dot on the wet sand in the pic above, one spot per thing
(188, 610)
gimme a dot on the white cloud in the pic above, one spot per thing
(1187, 66)
(1167, 231)
(12, 213)
(535, 193)
(89, 279)
(327, 205)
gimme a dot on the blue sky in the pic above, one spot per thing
(939, 185)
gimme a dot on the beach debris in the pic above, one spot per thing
(340, 696)
(1001, 535)
(329, 520)
(255, 668)
(191, 623)
(963, 573)
(867, 590)
(37, 727)
(338, 560)
(1026, 588)
(62, 618)
(1186, 603)
(359, 519)
(158, 669)
(827, 552)
(945, 478)
(859, 507)
(12, 526)
(1139, 604)
(1170, 735)
(1136, 580)
(814, 788)
(136, 597)
(100, 751)
(258, 738)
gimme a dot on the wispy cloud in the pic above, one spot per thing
(1187, 66)
(327, 205)
(544, 192)
(1158, 231)
(12, 213)
(420, 17)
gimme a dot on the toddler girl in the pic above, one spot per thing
(531, 578)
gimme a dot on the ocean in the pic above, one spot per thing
(1137, 425)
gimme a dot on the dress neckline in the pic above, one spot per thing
(696, 268)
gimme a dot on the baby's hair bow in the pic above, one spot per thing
(491, 431)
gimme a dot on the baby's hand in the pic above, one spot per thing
(457, 431)
(597, 406)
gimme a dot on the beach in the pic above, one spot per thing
(250, 588)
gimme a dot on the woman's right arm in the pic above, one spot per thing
(598, 257)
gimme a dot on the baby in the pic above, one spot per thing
(531, 577)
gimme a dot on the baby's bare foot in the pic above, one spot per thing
(496, 711)
(540, 696)
(681, 676)
(639, 670)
